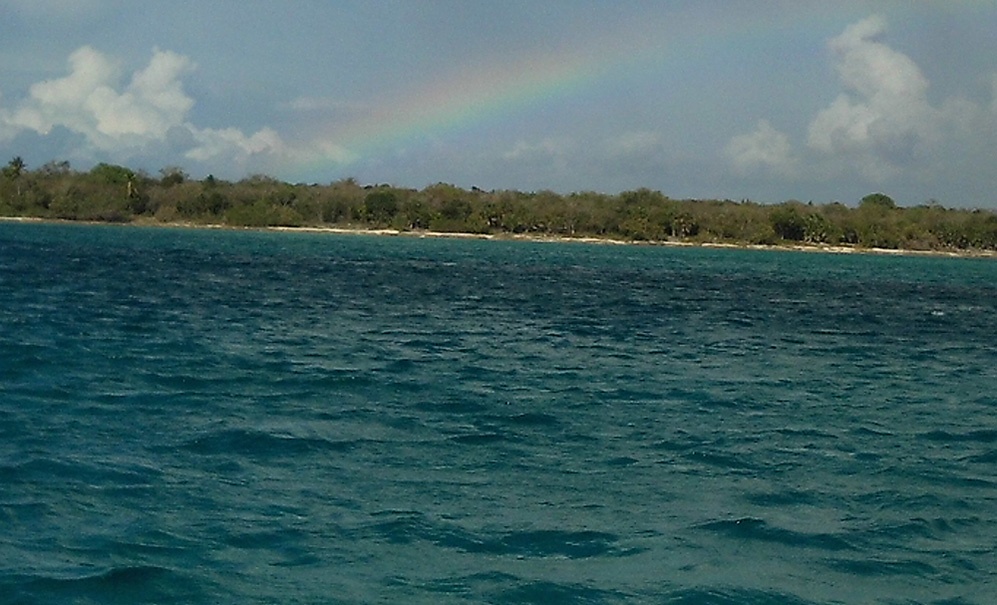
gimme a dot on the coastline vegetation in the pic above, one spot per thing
(112, 193)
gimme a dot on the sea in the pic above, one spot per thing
(201, 416)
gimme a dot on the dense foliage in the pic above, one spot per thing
(118, 194)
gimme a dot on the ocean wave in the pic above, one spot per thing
(552, 593)
(988, 457)
(501, 588)
(92, 472)
(780, 498)
(407, 526)
(884, 567)
(119, 584)
(731, 596)
(972, 436)
(262, 444)
(750, 528)
(528, 419)
(479, 438)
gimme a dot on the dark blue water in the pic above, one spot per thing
(242, 417)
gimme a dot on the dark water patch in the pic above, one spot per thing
(208, 380)
(123, 584)
(806, 432)
(749, 528)
(331, 380)
(631, 395)
(479, 438)
(264, 539)
(781, 498)
(503, 588)
(925, 531)
(452, 406)
(471, 586)
(870, 431)
(146, 545)
(554, 593)
(914, 528)
(731, 596)
(730, 462)
(24, 512)
(529, 419)
(576, 437)
(622, 461)
(95, 472)
(406, 527)
(975, 436)
(282, 547)
(988, 457)
(920, 499)
(958, 478)
(883, 567)
(559, 543)
(261, 444)
(681, 441)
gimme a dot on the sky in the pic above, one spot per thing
(763, 100)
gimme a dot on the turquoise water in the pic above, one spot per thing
(194, 416)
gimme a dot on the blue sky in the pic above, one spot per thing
(763, 100)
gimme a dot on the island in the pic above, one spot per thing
(117, 194)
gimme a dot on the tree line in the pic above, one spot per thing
(112, 193)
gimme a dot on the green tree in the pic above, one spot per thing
(381, 206)
(174, 175)
(416, 214)
(879, 201)
(110, 174)
(788, 223)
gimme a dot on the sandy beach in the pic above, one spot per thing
(794, 247)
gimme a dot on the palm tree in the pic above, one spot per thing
(13, 171)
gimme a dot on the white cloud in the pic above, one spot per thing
(883, 116)
(881, 126)
(213, 143)
(151, 110)
(766, 148)
(68, 101)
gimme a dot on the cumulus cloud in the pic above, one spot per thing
(765, 148)
(122, 121)
(883, 114)
(880, 126)
(85, 101)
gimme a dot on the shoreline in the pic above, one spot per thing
(794, 247)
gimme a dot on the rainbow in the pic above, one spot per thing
(477, 93)
(469, 95)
